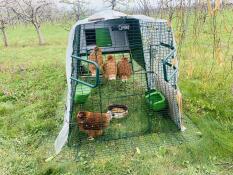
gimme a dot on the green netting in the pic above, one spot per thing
(130, 93)
(164, 133)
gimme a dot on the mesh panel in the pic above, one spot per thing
(127, 92)
(160, 54)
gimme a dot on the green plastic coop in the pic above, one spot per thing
(151, 90)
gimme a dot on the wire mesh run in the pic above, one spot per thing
(124, 77)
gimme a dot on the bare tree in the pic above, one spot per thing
(34, 12)
(78, 7)
(113, 3)
(5, 18)
(144, 6)
(171, 9)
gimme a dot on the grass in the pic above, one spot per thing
(32, 89)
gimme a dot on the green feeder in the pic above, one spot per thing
(81, 94)
(156, 100)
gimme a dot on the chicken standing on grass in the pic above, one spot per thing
(110, 68)
(124, 69)
(93, 123)
(96, 56)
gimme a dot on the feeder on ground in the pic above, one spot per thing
(118, 111)
(156, 100)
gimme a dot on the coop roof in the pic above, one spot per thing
(112, 14)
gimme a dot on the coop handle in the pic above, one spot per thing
(97, 73)
(167, 45)
(166, 63)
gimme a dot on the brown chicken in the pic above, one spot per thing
(124, 69)
(93, 123)
(96, 56)
(110, 68)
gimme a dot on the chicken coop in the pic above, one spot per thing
(122, 73)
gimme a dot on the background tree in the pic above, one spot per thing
(34, 12)
(78, 7)
(144, 6)
(113, 3)
(5, 18)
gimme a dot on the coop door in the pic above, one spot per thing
(100, 37)
(103, 37)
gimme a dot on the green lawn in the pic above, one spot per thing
(32, 98)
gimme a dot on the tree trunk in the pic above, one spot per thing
(113, 4)
(5, 39)
(40, 35)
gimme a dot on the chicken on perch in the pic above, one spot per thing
(124, 69)
(96, 56)
(93, 123)
(110, 68)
